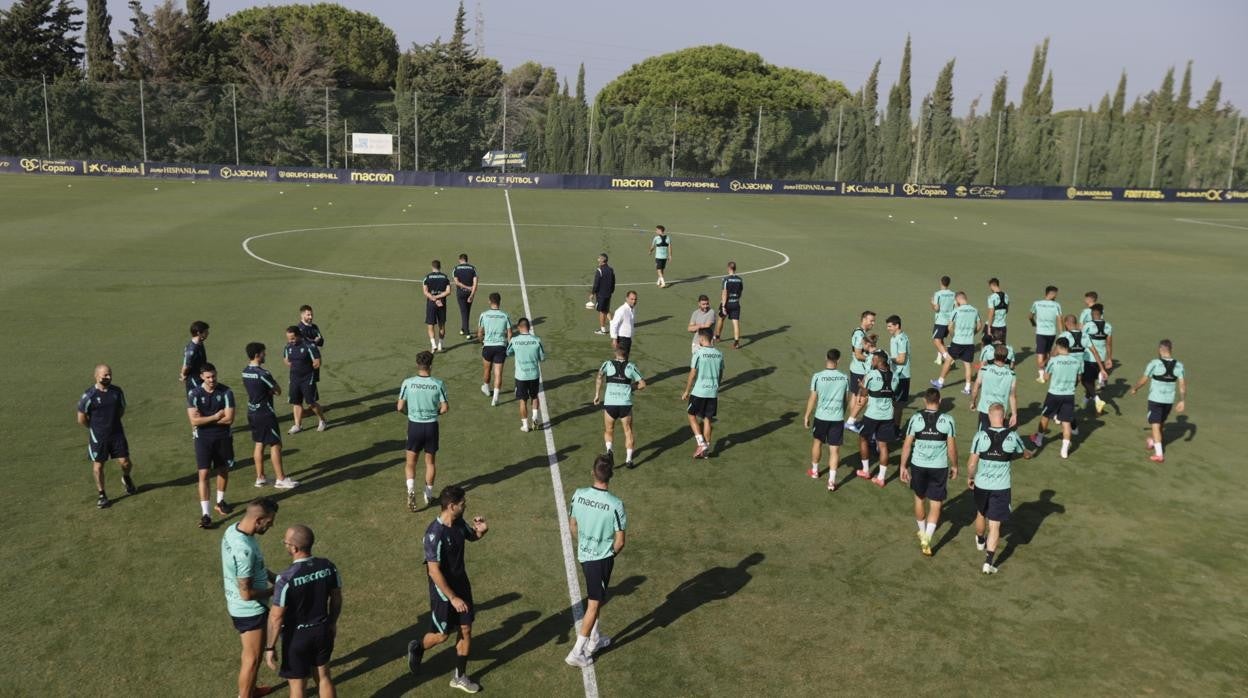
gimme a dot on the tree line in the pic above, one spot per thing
(283, 85)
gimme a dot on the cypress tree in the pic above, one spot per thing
(896, 131)
(944, 157)
(101, 55)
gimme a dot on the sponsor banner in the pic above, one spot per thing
(496, 159)
(526, 181)
(372, 144)
(752, 186)
(1202, 195)
(9, 163)
(864, 189)
(310, 175)
(927, 191)
(1146, 195)
(694, 184)
(178, 170)
(113, 168)
(824, 188)
(246, 173)
(631, 183)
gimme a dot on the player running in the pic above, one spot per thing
(998, 305)
(464, 277)
(942, 303)
(965, 326)
(988, 476)
(828, 397)
(100, 410)
(303, 359)
(996, 384)
(494, 332)
(621, 377)
(706, 370)
(730, 305)
(529, 353)
(435, 287)
(1082, 347)
(1045, 315)
(1063, 370)
(987, 354)
(661, 248)
(930, 447)
(424, 399)
(1162, 374)
(1099, 336)
(597, 521)
(261, 388)
(210, 408)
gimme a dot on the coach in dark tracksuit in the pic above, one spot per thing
(464, 276)
(307, 598)
(600, 293)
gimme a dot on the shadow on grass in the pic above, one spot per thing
(661, 445)
(519, 468)
(746, 378)
(1025, 521)
(348, 466)
(958, 512)
(714, 584)
(1180, 428)
(549, 385)
(750, 339)
(758, 432)
(653, 321)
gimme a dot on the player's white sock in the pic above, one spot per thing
(607, 447)
(698, 438)
(581, 641)
(411, 484)
(814, 466)
(429, 491)
(593, 635)
(1040, 374)
(1065, 447)
(1157, 447)
(946, 356)
(220, 496)
(866, 465)
(921, 524)
(203, 507)
(628, 458)
(930, 529)
(883, 471)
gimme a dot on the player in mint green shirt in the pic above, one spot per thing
(424, 399)
(829, 389)
(1165, 377)
(988, 476)
(860, 361)
(1045, 315)
(661, 248)
(1062, 370)
(996, 384)
(598, 522)
(621, 378)
(1089, 299)
(899, 361)
(987, 353)
(706, 369)
(931, 448)
(998, 305)
(529, 353)
(877, 391)
(494, 331)
(964, 326)
(248, 584)
(942, 303)
(1098, 358)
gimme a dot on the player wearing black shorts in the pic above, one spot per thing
(450, 591)
(309, 331)
(988, 476)
(435, 287)
(661, 248)
(597, 521)
(307, 600)
(600, 293)
(100, 410)
(194, 356)
(706, 370)
(621, 378)
(303, 359)
(730, 305)
(464, 277)
(210, 408)
(261, 388)
(878, 391)
(931, 449)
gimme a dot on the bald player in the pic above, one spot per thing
(100, 410)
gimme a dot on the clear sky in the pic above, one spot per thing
(1092, 41)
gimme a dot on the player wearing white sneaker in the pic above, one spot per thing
(529, 353)
(494, 332)
(597, 521)
(1099, 338)
(1163, 375)
(942, 304)
(931, 448)
(965, 325)
(878, 390)
(436, 286)
(1045, 315)
(661, 248)
(859, 365)
(1062, 371)
(261, 389)
(988, 476)
(828, 397)
(706, 370)
(423, 398)
(621, 377)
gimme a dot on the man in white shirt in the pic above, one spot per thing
(622, 324)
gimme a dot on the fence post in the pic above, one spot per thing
(675, 106)
(589, 146)
(346, 154)
(416, 130)
(398, 125)
(327, 127)
(143, 120)
(996, 158)
(840, 121)
(48, 121)
(1230, 175)
(504, 168)
(1074, 177)
(234, 106)
(758, 135)
(1152, 177)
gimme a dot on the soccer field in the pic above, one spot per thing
(742, 576)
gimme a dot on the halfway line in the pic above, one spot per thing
(588, 676)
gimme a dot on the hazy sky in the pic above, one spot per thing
(1092, 41)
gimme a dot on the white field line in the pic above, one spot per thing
(589, 677)
(1216, 225)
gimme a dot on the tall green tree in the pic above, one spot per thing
(896, 132)
(1034, 158)
(945, 157)
(100, 53)
(992, 136)
(40, 39)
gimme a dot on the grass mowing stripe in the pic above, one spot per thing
(588, 676)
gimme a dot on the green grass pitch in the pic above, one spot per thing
(742, 576)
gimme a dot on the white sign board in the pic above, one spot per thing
(372, 144)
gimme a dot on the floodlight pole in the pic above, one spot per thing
(675, 107)
(143, 120)
(346, 153)
(234, 107)
(1230, 175)
(589, 145)
(504, 170)
(416, 130)
(758, 136)
(996, 158)
(840, 121)
(48, 122)
(326, 127)
(1152, 177)
(398, 125)
(1074, 177)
